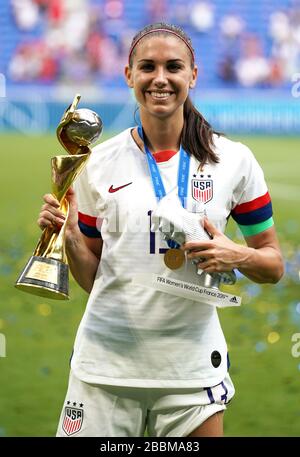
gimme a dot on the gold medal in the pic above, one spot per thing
(174, 258)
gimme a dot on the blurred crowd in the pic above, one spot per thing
(244, 58)
(79, 40)
(83, 40)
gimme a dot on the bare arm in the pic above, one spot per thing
(261, 260)
(83, 256)
(83, 253)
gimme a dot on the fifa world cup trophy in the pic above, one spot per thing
(46, 272)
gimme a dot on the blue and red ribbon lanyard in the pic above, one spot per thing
(158, 186)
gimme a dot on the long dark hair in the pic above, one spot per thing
(197, 134)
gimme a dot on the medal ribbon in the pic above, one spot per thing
(182, 177)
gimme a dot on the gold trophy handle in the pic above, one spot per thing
(65, 170)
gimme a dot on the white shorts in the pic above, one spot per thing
(116, 411)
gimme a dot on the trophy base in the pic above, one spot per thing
(45, 277)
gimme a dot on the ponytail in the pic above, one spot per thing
(197, 135)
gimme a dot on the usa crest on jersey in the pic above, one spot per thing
(202, 190)
(72, 421)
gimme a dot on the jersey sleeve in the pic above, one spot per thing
(251, 205)
(87, 198)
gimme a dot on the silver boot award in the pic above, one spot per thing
(179, 225)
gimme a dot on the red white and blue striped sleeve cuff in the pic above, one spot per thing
(88, 225)
(254, 216)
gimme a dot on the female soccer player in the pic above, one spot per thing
(145, 358)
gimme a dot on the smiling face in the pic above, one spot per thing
(161, 75)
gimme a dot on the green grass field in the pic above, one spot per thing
(39, 333)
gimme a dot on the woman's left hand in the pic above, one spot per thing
(218, 254)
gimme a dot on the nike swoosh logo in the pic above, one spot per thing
(115, 189)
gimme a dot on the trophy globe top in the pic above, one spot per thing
(79, 129)
(84, 128)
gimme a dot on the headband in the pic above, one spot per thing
(162, 30)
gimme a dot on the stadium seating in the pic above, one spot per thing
(210, 46)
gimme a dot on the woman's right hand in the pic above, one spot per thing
(52, 216)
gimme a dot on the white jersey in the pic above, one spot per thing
(133, 335)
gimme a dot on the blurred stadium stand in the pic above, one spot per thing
(248, 55)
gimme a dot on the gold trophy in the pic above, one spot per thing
(46, 273)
